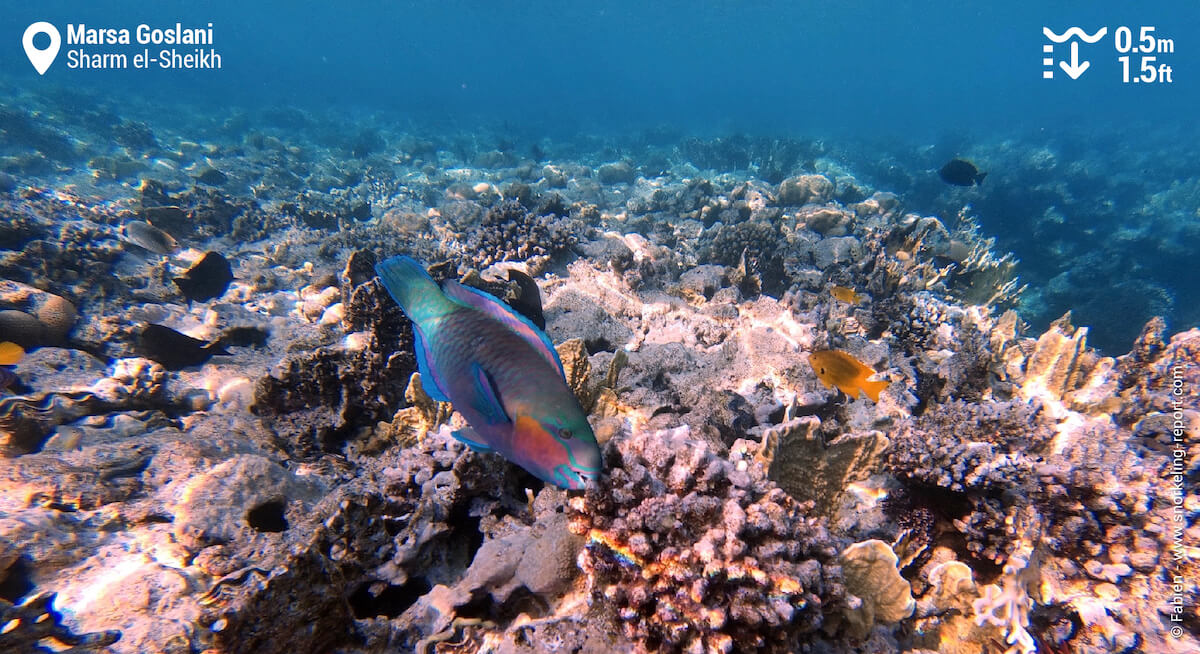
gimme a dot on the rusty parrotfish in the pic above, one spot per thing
(501, 373)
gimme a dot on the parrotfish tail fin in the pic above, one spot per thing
(979, 179)
(413, 289)
(874, 388)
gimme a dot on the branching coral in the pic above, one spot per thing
(1007, 606)
(694, 552)
(959, 445)
(754, 241)
(982, 277)
(510, 232)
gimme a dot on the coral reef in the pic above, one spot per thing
(511, 232)
(296, 488)
(693, 552)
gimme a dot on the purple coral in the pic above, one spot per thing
(510, 232)
(693, 552)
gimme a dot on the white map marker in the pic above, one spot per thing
(41, 59)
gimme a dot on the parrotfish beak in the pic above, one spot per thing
(566, 463)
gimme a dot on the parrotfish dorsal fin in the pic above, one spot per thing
(492, 306)
(488, 396)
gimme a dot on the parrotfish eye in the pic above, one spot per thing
(565, 433)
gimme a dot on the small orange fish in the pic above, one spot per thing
(10, 354)
(844, 294)
(849, 375)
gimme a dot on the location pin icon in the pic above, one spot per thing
(41, 59)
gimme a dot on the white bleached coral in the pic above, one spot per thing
(1007, 606)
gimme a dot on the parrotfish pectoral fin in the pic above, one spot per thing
(493, 307)
(488, 397)
(468, 437)
(412, 288)
(433, 388)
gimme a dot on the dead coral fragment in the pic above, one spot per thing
(411, 424)
(576, 368)
(872, 577)
(1056, 366)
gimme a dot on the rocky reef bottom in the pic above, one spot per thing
(218, 441)
(745, 507)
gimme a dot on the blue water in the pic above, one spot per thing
(764, 67)
(918, 82)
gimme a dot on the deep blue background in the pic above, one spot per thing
(868, 68)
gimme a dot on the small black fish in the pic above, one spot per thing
(207, 279)
(961, 173)
(175, 351)
(255, 337)
(529, 303)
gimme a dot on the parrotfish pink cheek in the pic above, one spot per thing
(537, 447)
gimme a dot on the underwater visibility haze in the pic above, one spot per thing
(615, 327)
